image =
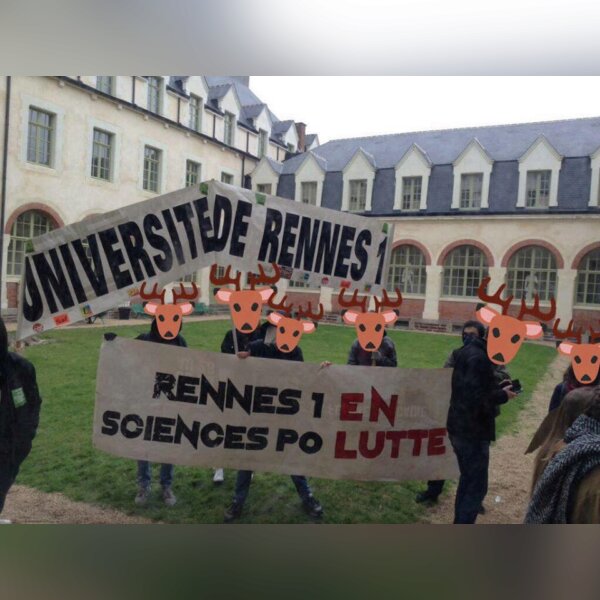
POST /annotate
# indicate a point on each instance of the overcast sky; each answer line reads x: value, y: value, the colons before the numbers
x: 340, y: 107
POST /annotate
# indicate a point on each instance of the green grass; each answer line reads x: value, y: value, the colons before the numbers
x: 63, y: 459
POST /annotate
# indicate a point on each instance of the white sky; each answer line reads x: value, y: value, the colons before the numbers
x: 340, y: 107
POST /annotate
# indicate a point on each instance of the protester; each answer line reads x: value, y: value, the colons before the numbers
x: 471, y: 424
x: 384, y: 356
x: 20, y: 403
x: 144, y: 477
x: 568, y: 384
x: 267, y: 349
x: 567, y: 478
x: 470, y: 330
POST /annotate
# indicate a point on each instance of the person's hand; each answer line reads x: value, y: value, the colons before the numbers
x: 376, y: 355
x: 505, y: 382
x: 509, y: 392
x: 325, y: 363
x: 109, y: 337
x: 243, y: 354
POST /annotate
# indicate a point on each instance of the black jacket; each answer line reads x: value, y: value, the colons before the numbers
x: 259, y: 349
x: 154, y: 336
x: 20, y: 403
x: 243, y: 339
x: 387, y: 354
x: 475, y: 394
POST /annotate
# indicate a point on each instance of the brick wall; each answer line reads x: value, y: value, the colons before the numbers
x: 585, y: 318
x: 457, y: 311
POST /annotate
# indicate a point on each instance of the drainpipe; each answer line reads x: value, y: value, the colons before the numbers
x: 3, y: 192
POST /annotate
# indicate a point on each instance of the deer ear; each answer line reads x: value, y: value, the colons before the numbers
x: 265, y: 294
x: 389, y: 316
x: 223, y: 296
x: 308, y: 326
x: 566, y: 348
x: 350, y: 317
x: 533, y: 330
x: 186, y: 308
x: 274, y: 318
x: 150, y: 308
x: 485, y: 315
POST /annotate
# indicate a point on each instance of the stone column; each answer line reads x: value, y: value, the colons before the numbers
x: 565, y: 292
x: 203, y: 277
x: 431, y: 310
x: 497, y: 275
x: 325, y: 298
x: 4, y: 267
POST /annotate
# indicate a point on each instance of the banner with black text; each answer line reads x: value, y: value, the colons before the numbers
x: 190, y: 407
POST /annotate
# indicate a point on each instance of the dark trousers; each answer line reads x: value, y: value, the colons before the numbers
x: 473, y: 461
x: 8, y: 473
x: 435, y: 487
x: 244, y: 479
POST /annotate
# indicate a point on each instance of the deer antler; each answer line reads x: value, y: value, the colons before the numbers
x: 153, y: 295
x: 287, y: 309
x: 309, y: 314
x: 594, y: 335
x: 226, y: 279
x: 385, y: 301
x: 183, y: 295
x: 262, y: 277
x: 535, y: 311
x: 495, y: 299
x: 563, y: 335
x: 362, y: 304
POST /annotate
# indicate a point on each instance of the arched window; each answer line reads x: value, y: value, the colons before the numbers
x: 27, y: 226
x: 407, y: 270
x: 464, y: 268
x: 532, y: 270
x: 588, y: 279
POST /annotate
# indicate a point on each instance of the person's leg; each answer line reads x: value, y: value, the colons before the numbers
x: 311, y: 505
x: 166, y: 480
x: 473, y: 463
x: 144, y: 479
x: 6, y: 480
x: 302, y: 486
x: 434, y: 489
x: 242, y: 487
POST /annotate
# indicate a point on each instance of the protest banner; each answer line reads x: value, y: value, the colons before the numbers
x: 92, y: 266
x: 190, y: 407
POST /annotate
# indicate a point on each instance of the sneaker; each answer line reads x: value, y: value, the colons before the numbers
x: 233, y: 512
x: 142, y: 496
x: 425, y: 498
x: 312, y: 506
x: 169, y: 497
x: 5, y: 522
x: 218, y: 477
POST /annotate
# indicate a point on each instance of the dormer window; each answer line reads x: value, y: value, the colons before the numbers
x: 154, y: 87
x: 358, y: 195
x: 229, y: 128
x: 263, y: 138
x: 471, y: 185
x: 538, y: 189
x: 104, y: 83
x: 195, y: 112
x: 411, y: 193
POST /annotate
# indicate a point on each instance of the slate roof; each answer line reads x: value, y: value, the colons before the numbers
x: 310, y: 138
x: 571, y: 138
x: 291, y: 165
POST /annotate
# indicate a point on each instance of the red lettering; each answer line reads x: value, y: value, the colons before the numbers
x: 395, y: 437
x: 348, y: 407
x: 340, y: 446
x: 435, y: 443
x: 417, y: 435
x: 363, y: 444
x: 378, y: 405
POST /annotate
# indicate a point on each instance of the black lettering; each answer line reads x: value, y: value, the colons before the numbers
x: 164, y: 384
x: 110, y: 418
x: 32, y: 306
x: 289, y: 400
x: 257, y: 438
x: 162, y: 430
x: 307, y: 244
x: 217, y: 396
x: 72, y: 271
x: 172, y: 229
x: 133, y: 242
x: 286, y: 258
x: 263, y: 399
x: 244, y: 400
x: 341, y: 268
x: 139, y: 426
x: 327, y: 248
x: 53, y: 282
x: 310, y: 442
x: 186, y: 389
x: 191, y: 435
x: 240, y: 228
x: 285, y: 436
x: 184, y: 214
x: 148, y: 430
x: 115, y: 258
x: 270, y: 241
x: 222, y: 222
x: 233, y: 437
x: 207, y: 440
x: 94, y: 274
x: 358, y: 270
x: 158, y: 242
x: 201, y: 207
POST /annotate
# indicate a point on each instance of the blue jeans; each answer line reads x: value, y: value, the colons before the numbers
x: 144, y: 474
x: 473, y: 461
x: 244, y: 478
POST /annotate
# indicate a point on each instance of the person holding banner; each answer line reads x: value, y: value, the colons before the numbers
x: 384, y: 356
x: 19, y: 413
x: 267, y: 348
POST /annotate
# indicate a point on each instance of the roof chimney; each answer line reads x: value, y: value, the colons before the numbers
x: 301, y: 130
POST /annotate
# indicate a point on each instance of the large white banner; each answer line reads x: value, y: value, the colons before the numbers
x: 189, y: 407
x: 94, y: 265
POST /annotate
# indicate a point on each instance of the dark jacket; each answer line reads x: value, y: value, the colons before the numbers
x: 475, y: 394
x: 20, y: 403
x: 154, y: 336
x: 243, y: 339
x: 387, y: 354
x: 259, y: 349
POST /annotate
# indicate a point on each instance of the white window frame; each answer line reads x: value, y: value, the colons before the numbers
x: 198, y: 174
x: 472, y: 179
x: 229, y: 172
x: 413, y: 179
x: 160, y: 90
x: 116, y: 157
x: 595, y: 182
x: 259, y: 191
x: 540, y: 156
x: 111, y: 159
x: 539, y: 174
x: 309, y: 170
x: 111, y: 80
x: 314, y: 186
x: 358, y: 168
x: 472, y: 160
x: 162, y: 182
x: 229, y: 116
x: 414, y: 163
x: 263, y: 143
x: 200, y: 107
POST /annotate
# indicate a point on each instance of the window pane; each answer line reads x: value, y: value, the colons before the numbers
x: 407, y: 270
x: 588, y: 279
x: 411, y: 193
x: 27, y: 226
x: 263, y: 188
x: 40, y: 137
x: 104, y: 84
x: 192, y: 173
x: 152, y: 158
x: 358, y: 194
x: 309, y: 192
x: 531, y: 271
x: 464, y: 268
x: 154, y: 84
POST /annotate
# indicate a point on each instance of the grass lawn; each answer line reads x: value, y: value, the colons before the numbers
x: 63, y: 459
